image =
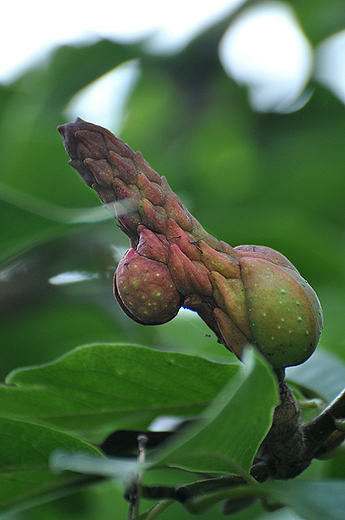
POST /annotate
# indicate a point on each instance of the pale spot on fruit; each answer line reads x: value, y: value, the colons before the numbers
x: 299, y: 318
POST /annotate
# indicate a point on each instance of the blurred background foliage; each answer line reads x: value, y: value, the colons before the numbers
x: 273, y: 179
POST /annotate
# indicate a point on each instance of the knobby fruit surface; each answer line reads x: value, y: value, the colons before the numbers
x: 246, y: 294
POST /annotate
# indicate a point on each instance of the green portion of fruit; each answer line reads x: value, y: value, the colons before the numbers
x: 283, y: 311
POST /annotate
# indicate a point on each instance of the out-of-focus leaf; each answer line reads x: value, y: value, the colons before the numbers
x: 229, y: 432
x: 35, y: 107
x: 51, y: 328
x: 322, y: 372
x: 33, y: 162
x: 332, y: 297
x: 97, y: 388
x: 189, y: 334
x: 311, y: 500
x: 320, y: 20
x: 24, y: 469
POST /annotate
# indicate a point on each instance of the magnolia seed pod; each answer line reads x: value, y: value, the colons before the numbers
x: 246, y: 294
x: 145, y: 289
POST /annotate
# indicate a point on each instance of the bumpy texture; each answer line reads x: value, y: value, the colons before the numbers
x: 246, y: 294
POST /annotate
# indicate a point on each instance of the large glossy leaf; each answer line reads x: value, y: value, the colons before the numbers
x: 224, y: 438
x: 96, y: 388
x: 229, y: 432
x: 25, y: 477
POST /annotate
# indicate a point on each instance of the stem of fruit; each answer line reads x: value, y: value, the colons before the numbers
x: 284, y: 449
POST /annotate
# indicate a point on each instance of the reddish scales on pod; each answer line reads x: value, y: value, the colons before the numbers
x: 246, y: 294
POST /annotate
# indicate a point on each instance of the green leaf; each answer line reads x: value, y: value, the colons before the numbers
x: 231, y: 429
x: 320, y: 20
x: 24, y: 468
x: 97, y: 388
x: 312, y: 500
x: 322, y: 372
x: 40, y: 195
x: 225, y: 439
